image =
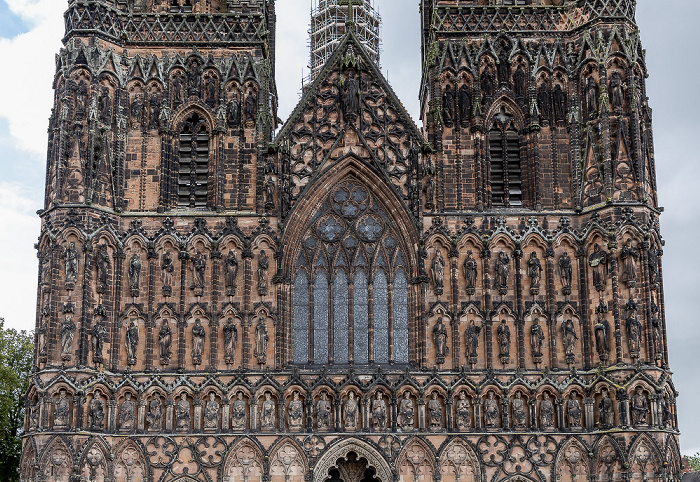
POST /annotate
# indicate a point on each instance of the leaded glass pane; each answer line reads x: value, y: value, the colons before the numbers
x: 400, y: 317
x: 361, y: 349
x: 321, y: 319
x: 301, y: 319
x: 381, y: 318
x: 340, y: 318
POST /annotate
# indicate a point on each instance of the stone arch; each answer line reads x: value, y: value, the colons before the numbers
x: 645, y: 460
x: 130, y: 463
x: 572, y: 462
x: 341, y: 450
x: 29, y: 465
x: 245, y: 462
x: 56, y: 462
x: 459, y: 462
x: 288, y: 462
x: 94, y: 465
x: 416, y: 462
x: 609, y: 459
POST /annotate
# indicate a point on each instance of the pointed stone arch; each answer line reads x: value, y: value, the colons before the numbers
x: 342, y: 449
x: 245, y: 462
x: 645, y: 461
x: 56, y: 462
x: 130, y: 463
x: 459, y: 461
x: 287, y: 462
x: 416, y: 462
x: 94, y: 463
x: 572, y: 462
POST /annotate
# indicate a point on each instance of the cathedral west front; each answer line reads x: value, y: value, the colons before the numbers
x: 346, y: 296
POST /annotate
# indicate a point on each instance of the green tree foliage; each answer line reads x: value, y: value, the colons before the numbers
x: 694, y: 462
x: 16, y: 357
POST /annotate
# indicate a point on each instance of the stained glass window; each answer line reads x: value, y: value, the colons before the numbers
x: 301, y: 318
x: 381, y: 318
x: 361, y: 319
x: 321, y: 319
x: 340, y: 318
x: 400, y: 317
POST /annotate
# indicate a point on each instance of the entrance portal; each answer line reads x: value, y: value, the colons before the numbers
x: 352, y: 468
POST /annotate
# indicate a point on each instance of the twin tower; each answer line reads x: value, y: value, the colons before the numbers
x: 347, y: 296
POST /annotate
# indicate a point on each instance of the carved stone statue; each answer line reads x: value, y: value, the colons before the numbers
x: 534, y: 271
x: 629, y: 256
x: 575, y: 413
x: 97, y: 340
x: 438, y: 272
x: 134, y: 274
x: 132, y: 342
x: 504, y: 340
x: 71, y: 261
x: 183, y: 413
x: 616, y: 94
x: 61, y: 411
x: 464, y: 416
x: 104, y: 104
x: 429, y: 193
x: 546, y: 413
x: 231, y: 270
x: 544, y: 102
x: 519, y: 82
x: 465, y: 104
x: 502, y: 272
x: 598, y: 261
x: 127, y: 414
x: 591, y: 96
x: 435, y: 412
x: 559, y: 103
x: 261, y: 341
x: 251, y: 107
x: 602, y: 333
x: 351, y: 104
x: 569, y: 333
x: 491, y: 410
x: 270, y: 193
x: 656, y: 334
x: 519, y: 414
x: 350, y: 412
x: 406, y: 415
x: 653, y: 262
x: 211, y: 413
x: 239, y: 416
x: 154, y: 418
x: 102, y: 265
x: 536, y: 338
x: 267, y: 414
x: 194, y: 81
x: 295, y: 413
x: 470, y: 273
x: 263, y: 267
x: 199, y: 265
x: 487, y: 81
x: 379, y: 415
x: 606, y: 411
x: 81, y: 100
x: 666, y: 414
x: 41, y: 339
x: 34, y: 415
x: 165, y: 341
x: 440, y: 339
x: 230, y: 341
x: 210, y: 87
x: 67, y: 334
x: 233, y: 114
x: 323, y: 412
x: 503, y: 68
x: 473, y: 332
x: 167, y: 268
x: 640, y: 407
x: 448, y: 105
x: 634, y: 329
x: 198, y: 337
x: 566, y: 272
x: 96, y: 412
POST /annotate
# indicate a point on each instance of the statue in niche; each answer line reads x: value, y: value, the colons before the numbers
x: 230, y: 341
x: 127, y: 415
x: 96, y: 412
x: 473, y: 332
x: 262, y: 339
x: 598, y: 261
x: 616, y: 94
x: 45, y: 271
x: 267, y: 415
x: 653, y: 262
x: 35, y: 412
x: 194, y: 80
x: 154, y: 111
x: 491, y: 410
x: 575, y: 413
x: 634, y: 329
x: 134, y: 274
x: 154, y: 418
x: 465, y: 103
x: 251, y: 107
x: 295, y: 413
x: 178, y: 85
x: 546, y: 412
x: 502, y: 272
x: 351, y: 96
x: 71, y: 260
x: 233, y: 114
x: 211, y: 413
x: 487, y: 82
x: 67, y: 334
x: 569, y: 334
x: 198, y: 337
x: 470, y: 273
x: 438, y: 272
x: 97, y: 340
x: 429, y: 192
x: 519, y: 82
x: 105, y: 106
x: 61, y: 411
x: 199, y: 266
x: 379, y: 416
x: 167, y: 268
x: 519, y: 415
x: 323, y: 412
x: 165, y: 341
x: 629, y: 256
x: 263, y: 267
x: 182, y: 413
x: 544, y: 102
x: 132, y: 342
x: 464, y: 417
x: 270, y: 193
x: 239, y: 415
x: 435, y: 412
x: 448, y: 105
x: 231, y: 270
x: 534, y: 271
x: 656, y: 334
x: 81, y: 100
x: 41, y: 339
x: 350, y: 411
x: 210, y: 88
x: 640, y: 407
x: 102, y: 265
x: 559, y: 103
x: 605, y: 406
x: 566, y: 272
x: 504, y: 340
x: 591, y: 95
x: 536, y: 338
x: 406, y: 418
x: 503, y: 68
x: 602, y: 332
x: 665, y: 409
x: 440, y: 339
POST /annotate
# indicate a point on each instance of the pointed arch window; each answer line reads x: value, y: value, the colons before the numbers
x: 301, y: 318
x: 504, y: 162
x: 193, y: 164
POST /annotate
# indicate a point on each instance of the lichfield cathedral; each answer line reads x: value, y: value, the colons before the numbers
x: 347, y: 296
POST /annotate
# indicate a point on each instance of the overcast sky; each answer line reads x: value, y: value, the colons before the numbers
x: 30, y: 32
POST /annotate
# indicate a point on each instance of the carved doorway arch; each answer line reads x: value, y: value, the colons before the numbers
x: 341, y: 452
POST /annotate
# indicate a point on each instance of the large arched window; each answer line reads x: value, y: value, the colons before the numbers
x: 353, y: 250
x: 193, y: 165
x: 504, y: 162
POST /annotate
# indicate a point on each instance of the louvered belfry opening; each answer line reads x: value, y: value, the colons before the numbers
x: 193, y: 166
x: 506, y: 172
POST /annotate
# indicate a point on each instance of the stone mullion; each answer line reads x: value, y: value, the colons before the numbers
x: 554, y: 130
x: 370, y: 316
x: 662, y: 309
x: 182, y: 323
x: 281, y: 328
x: 551, y: 302
x: 166, y: 172
x: 214, y: 322
x: 150, y: 320
x: 145, y: 136
x: 459, y: 181
x: 454, y: 321
x: 238, y: 181
x: 221, y: 178
x: 120, y: 155
x: 520, y: 309
x: 605, y: 131
x: 616, y: 305
x: 585, y: 303
x: 392, y: 351
x: 247, y: 256
x: 52, y: 323
x: 83, y: 344
x: 634, y: 126
x: 116, y: 325
x: 423, y: 324
x: 487, y: 308
x: 351, y: 319
x: 534, y: 153
x: 479, y: 180
x: 574, y: 132
x: 646, y: 300
x: 311, y: 321
x: 331, y: 320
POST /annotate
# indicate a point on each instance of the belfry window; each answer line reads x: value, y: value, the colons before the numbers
x: 504, y: 161
x: 193, y: 166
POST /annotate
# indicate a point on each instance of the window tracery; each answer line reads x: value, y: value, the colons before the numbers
x: 193, y: 165
x: 505, y: 163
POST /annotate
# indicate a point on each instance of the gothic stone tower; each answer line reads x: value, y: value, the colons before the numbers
x: 354, y: 299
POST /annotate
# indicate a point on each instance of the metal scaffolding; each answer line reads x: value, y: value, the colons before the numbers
x: 328, y: 19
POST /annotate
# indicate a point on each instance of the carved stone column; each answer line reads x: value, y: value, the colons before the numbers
x: 421, y: 414
x: 225, y: 414
x: 589, y: 413
x: 169, y: 414
x: 141, y: 420
x: 197, y: 412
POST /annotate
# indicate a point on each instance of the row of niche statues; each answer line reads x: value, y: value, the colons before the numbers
x: 494, y: 412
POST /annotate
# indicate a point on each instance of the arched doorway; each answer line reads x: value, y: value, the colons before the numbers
x: 352, y: 460
x: 352, y: 468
